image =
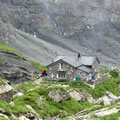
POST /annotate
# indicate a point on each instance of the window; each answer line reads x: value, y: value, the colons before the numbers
x: 60, y: 65
x: 62, y: 74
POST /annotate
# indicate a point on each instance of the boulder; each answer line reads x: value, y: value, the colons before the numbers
x: 58, y: 85
x: 12, y: 103
x: 74, y: 94
x: 56, y: 117
x: 80, y: 95
x: 34, y: 112
x: 6, y: 118
x: 6, y: 92
x: 23, y: 118
x: 58, y: 95
x: 30, y: 116
x: 107, y: 112
x: 14, y: 117
x: 39, y: 101
x: 107, y: 99
x: 2, y: 110
x: 91, y: 100
x: 18, y: 95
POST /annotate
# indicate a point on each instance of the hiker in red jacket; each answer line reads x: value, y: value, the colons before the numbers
x: 42, y: 72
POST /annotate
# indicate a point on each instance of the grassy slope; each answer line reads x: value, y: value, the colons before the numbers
x: 48, y: 106
x: 111, y: 117
x: 7, y: 48
x: 53, y: 108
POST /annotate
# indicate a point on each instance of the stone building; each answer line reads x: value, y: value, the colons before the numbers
x: 69, y: 68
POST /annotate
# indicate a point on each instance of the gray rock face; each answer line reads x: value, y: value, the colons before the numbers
x: 2, y: 110
x: 58, y: 95
x: 34, y: 112
x: 108, y: 99
x: 107, y: 112
x: 35, y: 49
x: 39, y: 101
x: 80, y: 95
x: 6, y: 92
x: 15, y: 68
x: 18, y: 95
x: 88, y: 24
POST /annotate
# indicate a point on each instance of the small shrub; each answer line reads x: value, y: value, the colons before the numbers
x: 114, y: 73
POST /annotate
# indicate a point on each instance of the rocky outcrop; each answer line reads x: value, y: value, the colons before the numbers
x: 6, y: 92
x: 4, y: 116
x: 14, y: 68
x: 23, y: 118
x: 108, y: 99
x: 39, y: 101
x: 18, y: 95
x: 80, y: 95
x: 57, y: 95
x: 107, y: 112
x: 37, y: 116
x: 97, y: 113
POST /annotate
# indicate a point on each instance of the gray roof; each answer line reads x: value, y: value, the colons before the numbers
x: 80, y: 63
x: 75, y: 61
x: 86, y: 69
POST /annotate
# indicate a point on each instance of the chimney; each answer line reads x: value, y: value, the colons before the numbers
x: 78, y: 55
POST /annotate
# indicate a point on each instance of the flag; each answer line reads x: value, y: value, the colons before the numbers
x: 106, y: 48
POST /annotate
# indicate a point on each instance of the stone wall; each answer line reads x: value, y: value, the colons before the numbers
x: 96, y: 66
x: 54, y: 68
x: 71, y: 72
x: 82, y: 74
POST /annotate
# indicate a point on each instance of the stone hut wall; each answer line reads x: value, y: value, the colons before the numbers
x: 83, y: 75
x: 71, y: 72
x: 96, y: 66
x: 53, y: 71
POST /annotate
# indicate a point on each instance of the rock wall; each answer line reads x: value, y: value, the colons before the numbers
x: 14, y: 68
x: 6, y: 92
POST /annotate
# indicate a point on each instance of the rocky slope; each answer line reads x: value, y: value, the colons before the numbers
x: 34, y: 48
x: 83, y: 25
x: 14, y: 68
x: 49, y: 100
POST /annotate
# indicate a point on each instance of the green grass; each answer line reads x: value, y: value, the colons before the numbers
x: 111, y: 117
x: 25, y: 86
x: 53, y: 108
x: 72, y: 106
x: 48, y: 105
x: 38, y: 66
x: 18, y: 108
x: 110, y: 85
x: 2, y: 81
x: 7, y: 48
